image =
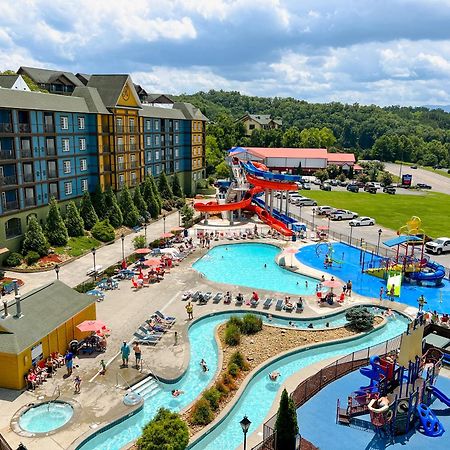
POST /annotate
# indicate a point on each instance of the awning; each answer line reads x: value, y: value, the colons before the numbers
x: 401, y: 240
x: 437, y: 341
x: 4, y: 250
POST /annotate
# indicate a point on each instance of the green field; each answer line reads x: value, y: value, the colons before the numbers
x: 78, y: 246
x: 442, y: 172
x: 392, y: 211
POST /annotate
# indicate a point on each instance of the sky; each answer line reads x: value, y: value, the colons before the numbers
x: 367, y: 51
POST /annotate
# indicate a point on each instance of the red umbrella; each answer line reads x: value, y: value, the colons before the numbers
x: 152, y: 262
x: 92, y: 325
x: 142, y: 251
x: 322, y: 228
x: 167, y: 235
x: 331, y: 284
x: 291, y: 251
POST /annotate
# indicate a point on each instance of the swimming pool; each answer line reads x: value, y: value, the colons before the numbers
x: 257, y: 398
x: 368, y: 285
x: 243, y: 265
x: 46, y: 417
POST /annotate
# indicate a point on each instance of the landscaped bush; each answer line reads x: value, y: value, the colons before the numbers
x: 232, y: 335
x: 85, y: 287
x: 201, y: 412
x: 251, y: 324
x: 167, y: 205
x: 235, y: 320
x: 237, y: 358
x: 360, y: 318
x: 103, y: 231
x: 32, y: 257
x: 228, y: 381
x: 213, y: 396
x: 139, y: 242
x: 220, y: 386
x: 233, y: 370
x: 156, y: 243
x: 13, y: 260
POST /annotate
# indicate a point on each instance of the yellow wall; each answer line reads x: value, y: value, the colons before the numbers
x: 197, y: 144
x: 14, y: 367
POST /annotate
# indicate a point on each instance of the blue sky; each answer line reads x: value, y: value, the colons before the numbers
x: 366, y: 51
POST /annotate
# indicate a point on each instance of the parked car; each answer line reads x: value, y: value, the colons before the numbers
x: 317, y: 181
x: 343, y: 214
x: 371, y: 190
x: 360, y: 184
x: 423, y: 186
x: 307, y: 202
x: 352, y: 188
x: 343, y: 183
x: 334, y: 182
x: 325, y: 210
x: 413, y: 167
x: 325, y: 187
x: 362, y: 221
x: 389, y: 190
x: 438, y: 246
x: 307, y: 186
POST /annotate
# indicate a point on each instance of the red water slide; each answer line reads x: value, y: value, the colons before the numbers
x: 270, y: 220
x: 274, y: 185
x: 215, y: 208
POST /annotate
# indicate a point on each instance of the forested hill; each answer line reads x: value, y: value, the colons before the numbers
x: 385, y: 133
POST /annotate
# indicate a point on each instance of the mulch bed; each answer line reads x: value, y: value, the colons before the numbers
x: 7, y: 280
x: 50, y: 259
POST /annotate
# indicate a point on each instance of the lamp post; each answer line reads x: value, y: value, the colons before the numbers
x: 379, y: 237
x: 179, y: 217
x: 145, y: 231
x: 300, y: 213
x: 351, y: 231
x: 245, y: 425
x: 164, y: 223
x: 313, y: 213
x: 329, y: 223
x: 95, y: 267
x: 57, y: 271
x: 122, y: 237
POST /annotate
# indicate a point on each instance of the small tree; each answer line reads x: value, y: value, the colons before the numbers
x: 129, y: 211
x: 386, y: 178
x: 322, y: 175
x: 363, y: 178
x: 139, y: 242
x: 139, y: 202
x: 163, y: 187
x: 176, y: 186
x: 155, y: 192
x: 55, y: 227
x: 35, y: 239
x: 223, y: 170
x: 87, y: 211
x: 286, y: 424
x: 114, y: 213
x: 165, y: 431
x: 103, y: 231
x: 99, y: 203
x: 74, y: 221
x: 187, y: 214
x: 360, y: 319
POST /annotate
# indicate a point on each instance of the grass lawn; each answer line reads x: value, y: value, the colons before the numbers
x: 78, y: 246
x: 392, y: 211
x: 442, y: 172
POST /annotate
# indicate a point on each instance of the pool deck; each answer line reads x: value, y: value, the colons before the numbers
x: 123, y: 310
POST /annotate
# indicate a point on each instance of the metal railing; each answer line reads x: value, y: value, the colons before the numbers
x: 49, y: 128
x: 3, y: 444
x: 26, y: 152
x: 30, y: 201
x: 6, y: 128
x: 24, y: 127
x: 123, y: 379
x: 8, y: 180
x: 7, y: 154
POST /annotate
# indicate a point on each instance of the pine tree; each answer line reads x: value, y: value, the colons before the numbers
x: 139, y: 202
x: 87, y: 211
x: 149, y: 198
x: 176, y: 186
x: 35, y: 239
x: 156, y: 193
x: 98, y: 202
x: 74, y: 221
x: 164, y: 188
x: 114, y: 213
x: 129, y: 211
x: 55, y: 227
x: 286, y: 424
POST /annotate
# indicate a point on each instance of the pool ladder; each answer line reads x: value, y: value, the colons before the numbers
x: 56, y: 394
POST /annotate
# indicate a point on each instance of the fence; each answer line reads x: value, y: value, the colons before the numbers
x: 3, y: 444
x: 312, y: 385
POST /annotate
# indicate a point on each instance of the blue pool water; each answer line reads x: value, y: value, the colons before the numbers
x: 257, y: 398
x: 46, y: 417
x: 243, y: 265
x: 369, y: 285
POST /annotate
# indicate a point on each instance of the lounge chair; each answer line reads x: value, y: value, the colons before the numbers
x: 217, y: 297
x: 254, y: 303
x: 196, y: 296
x: 207, y: 296
x: 146, y: 339
x: 279, y: 305
x: 186, y: 296
x: 149, y: 331
x: 168, y: 319
x: 288, y: 308
x: 267, y: 303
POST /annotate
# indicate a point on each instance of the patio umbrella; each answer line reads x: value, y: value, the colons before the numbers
x: 167, y: 235
x: 291, y: 251
x: 177, y: 229
x: 332, y: 284
x: 142, y: 251
x: 152, y: 262
x: 322, y: 228
x: 92, y: 325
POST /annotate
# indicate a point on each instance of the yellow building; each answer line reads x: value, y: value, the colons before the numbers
x: 46, y: 324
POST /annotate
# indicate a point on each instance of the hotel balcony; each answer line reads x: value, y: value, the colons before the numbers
x: 120, y: 166
x: 119, y: 128
x: 28, y: 178
x: 52, y: 174
x: 133, y: 182
x: 133, y: 147
x: 49, y: 128
x: 8, y: 180
x: 26, y: 153
x: 6, y: 128
x: 134, y: 164
x: 50, y: 151
x: 24, y: 128
x: 10, y: 206
x: 30, y: 201
x: 7, y: 154
x: 121, y: 148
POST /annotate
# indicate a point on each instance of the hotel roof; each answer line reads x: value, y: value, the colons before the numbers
x: 341, y: 157
x: 310, y: 153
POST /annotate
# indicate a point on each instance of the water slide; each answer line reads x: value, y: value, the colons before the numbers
x: 436, y: 273
x: 257, y: 170
x: 265, y: 217
x: 374, y: 373
x: 429, y: 422
x: 215, y: 208
x: 440, y: 395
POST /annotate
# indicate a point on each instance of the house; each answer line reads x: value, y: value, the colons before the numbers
x: 343, y: 160
x: 13, y: 82
x: 259, y: 122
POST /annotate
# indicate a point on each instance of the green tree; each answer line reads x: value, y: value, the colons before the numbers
x: 98, y: 202
x: 103, y: 231
x: 187, y: 214
x: 150, y: 198
x: 156, y: 192
x: 214, y: 156
x: 129, y: 211
x: 360, y: 318
x: 176, y: 187
x: 139, y: 242
x: 114, y: 213
x: 291, y: 138
x: 333, y: 171
x: 139, y: 202
x: 286, y: 424
x: 166, y: 431
x: 74, y: 221
x: 163, y: 187
x: 55, y: 228
x: 223, y: 170
x: 363, y: 178
x: 87, y: 211
x: 386, y: 178
x: 322, y: 175
x: 35, y: 239
x: 326, y: 137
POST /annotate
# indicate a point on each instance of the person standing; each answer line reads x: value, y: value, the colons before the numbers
x: 349, y: 288
x: 381, y: 293
x: 125, y: 352
x: 392, y: 292
x: 68, y: 359
x: 421, y: 301
x: 77, y: 383
x: 137, y: 354
x: 190, y: 311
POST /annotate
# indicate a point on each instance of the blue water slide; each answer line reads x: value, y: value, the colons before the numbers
x: 437, y: 273
x: 440, y: 395
x: 252, y: 170
x: 429, y: 422
x: 374, y: 372
x: 280, y: 216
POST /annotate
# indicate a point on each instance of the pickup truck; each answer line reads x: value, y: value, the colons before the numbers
x: 343, y: 214
x: 438, y: 246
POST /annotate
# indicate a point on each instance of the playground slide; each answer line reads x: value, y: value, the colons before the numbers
x: 429, y: 422
x: 440, y: 395
x: 395, y: 279
x: 374, y: 373
x: 437, y: 273
x: 271, y: 221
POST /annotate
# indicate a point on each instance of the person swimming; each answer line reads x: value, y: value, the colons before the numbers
x: 203, y: 365
x: 177, y: 393
x: 273, y: 376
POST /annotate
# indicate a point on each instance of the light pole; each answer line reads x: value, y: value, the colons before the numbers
x: 164, y: 223
x: 379, y: 237
x: 300, y: 213
x: 57, y: 271
x: 145, y: 231
x: 245, y: 425
x: 329, y: 222
x: 95, y: 267
x: 314, y: 213
x: 122, y: 237
x: 179, y: 217
x: 351, y: 231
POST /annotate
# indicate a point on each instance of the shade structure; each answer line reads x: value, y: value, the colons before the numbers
x: 177, y: 229
x: 167, y: 235
x: 92, y: 325
x: 291, y: 251
x: 331, y: 284
x: 142, y: 251
x: 152, y: 262
x: 322, y: 228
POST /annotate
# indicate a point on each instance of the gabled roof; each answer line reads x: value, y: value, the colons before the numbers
x: 320, y: 153
x: 190, y: 111
x: 92, y: 98
x: 341, y: 157
x: 158, y: 98
x: 46, y: 76
x: 7, y: 81
x: 83, y: 77
x: 110, y: 87
x: 44, y: 310
x: 140, y: 90
x: 161, y: 113
x: 262, y: 119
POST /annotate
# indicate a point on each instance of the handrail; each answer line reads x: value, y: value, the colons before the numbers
x: 149, y: 370
x: 3, y: 444
x: 56, y: 394
x: 123, y: 379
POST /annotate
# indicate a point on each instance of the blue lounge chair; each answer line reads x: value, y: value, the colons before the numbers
x: 196, y: 296
x: 217, y: 297
x: 267, y: 303
x: 162, y: 316
x: 239, y: 300
x: 146, y: 339
x: 279, y: 305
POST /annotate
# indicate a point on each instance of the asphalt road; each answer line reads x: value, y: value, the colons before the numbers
x: 438, y: 182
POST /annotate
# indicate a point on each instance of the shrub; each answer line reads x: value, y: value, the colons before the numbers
x: 74, y: 221
x: 228, y: 381
x: 235, y: 320
x: 232, y: 335
x: 359, y: 318
x: 35, y: 239
x: 85, y: 287
x: 167, y: 205
x: 129, y: 211
x: 220, y: 386
x: 201, y: 413
x: 113, y: 212
x: 237, y: 358
x: 251, y: 324
x: 233, y: 370
x: 13, y: 260
x: 286, y: 423
x: 139, y: 242
x: 32, y: 257
x: 176, y: 187
x: 55, y: 228
x: 103, y: 231
x: 164, y: 188
x: 213, y: 396
x: 87, y: 211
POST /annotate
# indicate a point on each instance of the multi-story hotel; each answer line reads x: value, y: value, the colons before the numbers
x: 98, y: 132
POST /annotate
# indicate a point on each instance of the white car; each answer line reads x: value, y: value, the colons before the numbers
x: 438, y: 246
x: 343, y: 214
x: 306, y: 202
x: 362, y: 221
x: 325, y: 210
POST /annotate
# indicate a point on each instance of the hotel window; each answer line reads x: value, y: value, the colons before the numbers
x: 133, y: 178
x: 148, y: 125
x: 64, y: 120
x: 157, y: 140
x: 120, y: 163
x: 84, y: 185
x: 177, y: 139
x: 68, y: 187
x: 177, y: 165
x: 82, y: 142
x: 66, y: 166
x: 131, y: 124
x: 148, y: 140
x: 119, y: 124
x: 65, y: 145
x: 156, y: 125
x: 149, y: 156
x: 121, y: 180
x: 83, y: 165
x: 157, y: 155
x: 176, y: 125
x: 132, y: 143
x: 177, y: 152
x: 81, y: 123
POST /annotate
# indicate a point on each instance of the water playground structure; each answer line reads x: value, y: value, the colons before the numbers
x: 398, y: 398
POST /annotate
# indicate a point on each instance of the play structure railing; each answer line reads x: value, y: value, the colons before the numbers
x: 313, y: 384
x: 3, y: 444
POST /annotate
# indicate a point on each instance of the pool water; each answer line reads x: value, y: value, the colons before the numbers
x: 257, y: 398
x: 368, y: 285
x: 46, y: 417
x: 243, y: 265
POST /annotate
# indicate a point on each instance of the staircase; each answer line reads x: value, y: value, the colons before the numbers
x: 147, y: 388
